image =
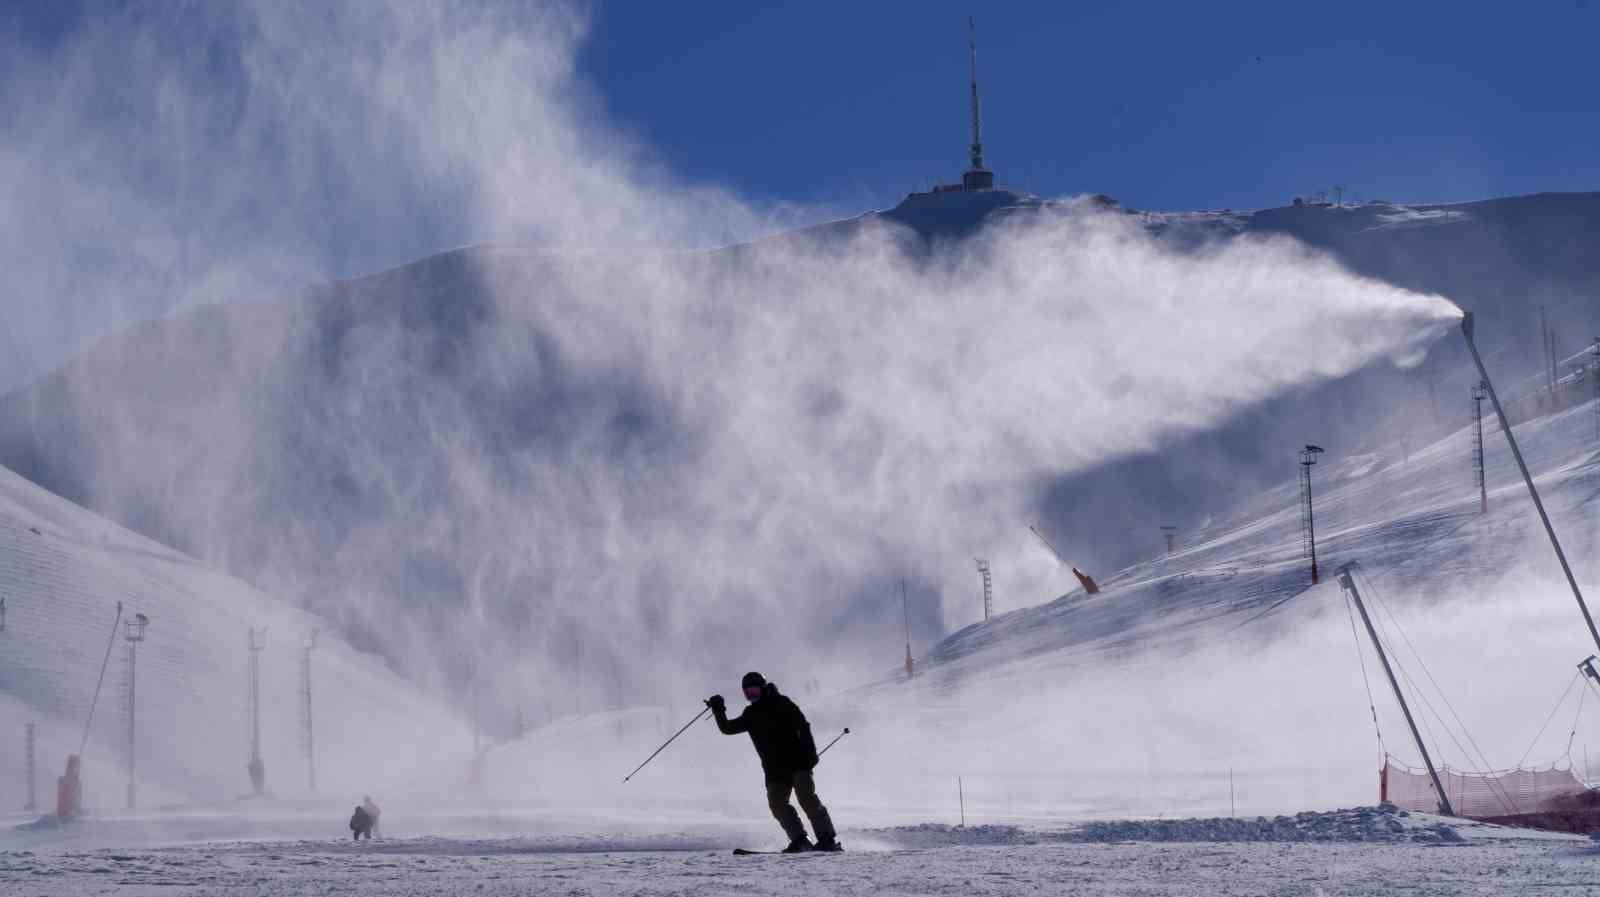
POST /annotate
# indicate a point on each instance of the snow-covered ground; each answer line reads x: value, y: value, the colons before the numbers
x: 1354, y: 852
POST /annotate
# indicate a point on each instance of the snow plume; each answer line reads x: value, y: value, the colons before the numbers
x: 161, y: 156
x: 607, y: 476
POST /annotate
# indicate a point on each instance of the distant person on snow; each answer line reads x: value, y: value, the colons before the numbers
x: 371, y: 806
x: 782, y: 738
x: 360, y: 824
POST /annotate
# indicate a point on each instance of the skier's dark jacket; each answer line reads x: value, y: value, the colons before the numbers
x: 779, y: 731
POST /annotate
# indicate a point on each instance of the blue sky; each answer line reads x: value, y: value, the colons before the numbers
x: 834, y: 107
x: 1162, y: 105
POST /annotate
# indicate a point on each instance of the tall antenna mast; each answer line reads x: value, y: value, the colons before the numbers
x: 977, y: 135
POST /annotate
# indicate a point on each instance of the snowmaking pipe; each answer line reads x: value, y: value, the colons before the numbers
x: 833, y: 742
x: 664, y: 744
x: 1511, y: 440
x: 100, y: 681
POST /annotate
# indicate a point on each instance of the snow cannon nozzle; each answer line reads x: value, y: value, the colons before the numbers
x: 1466, y: 325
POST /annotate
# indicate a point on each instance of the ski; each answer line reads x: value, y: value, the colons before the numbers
x: 742, y: 852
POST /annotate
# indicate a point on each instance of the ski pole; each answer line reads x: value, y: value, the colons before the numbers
x: 833, y: 742
x: 667, y: 742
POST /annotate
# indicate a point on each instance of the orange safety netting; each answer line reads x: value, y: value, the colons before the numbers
x: 1502, y: 793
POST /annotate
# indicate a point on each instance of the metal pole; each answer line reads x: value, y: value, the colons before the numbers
x: 905, y: 609
x: 961, y: 795
x: 255, y: 704
x: 1480, y: 460
x: 1511, y: 440
x: 1349, y: 583
x: 833, y: 742
x: 1308, y: 459
x: 133, y: 703
x: 1544, y: 345
x: 1594, y: 376
x: 307, y: 647
x: 667, y: 742
x: 32, y: 741
x: 256, y: 768
x: 988, y: 589
x: 98, y: 682
x: 1311, y: 527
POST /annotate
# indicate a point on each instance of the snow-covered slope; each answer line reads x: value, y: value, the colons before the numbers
x: 1220, y: 673
x: 300, y: 446
x: 62, y: 572
x: 1212, y: 680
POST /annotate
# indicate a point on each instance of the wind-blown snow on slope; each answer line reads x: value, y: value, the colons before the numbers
x: 62, y: 572
x: 586, y: 464
x: 1223, y: 660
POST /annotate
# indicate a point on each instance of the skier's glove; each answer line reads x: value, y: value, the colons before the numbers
x: 716, y: 704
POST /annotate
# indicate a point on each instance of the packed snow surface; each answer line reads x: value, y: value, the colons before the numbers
x: 1365, y: 851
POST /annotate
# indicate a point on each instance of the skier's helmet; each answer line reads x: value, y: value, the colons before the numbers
x: 752, y: 683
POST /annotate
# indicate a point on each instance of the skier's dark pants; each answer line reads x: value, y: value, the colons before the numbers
x: 805, y: 789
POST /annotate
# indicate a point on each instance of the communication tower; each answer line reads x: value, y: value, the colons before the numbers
x: 977, y: 177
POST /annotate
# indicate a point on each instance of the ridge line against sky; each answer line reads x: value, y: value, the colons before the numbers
x: 1168, y: 106
x: 138, y: 137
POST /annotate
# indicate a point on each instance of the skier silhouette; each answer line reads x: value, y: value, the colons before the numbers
x: 782, y: 739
